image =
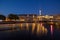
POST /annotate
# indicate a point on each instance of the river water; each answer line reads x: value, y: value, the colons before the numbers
x: 30, y: 31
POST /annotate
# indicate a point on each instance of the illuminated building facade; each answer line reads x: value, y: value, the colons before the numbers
x: 31, y: 17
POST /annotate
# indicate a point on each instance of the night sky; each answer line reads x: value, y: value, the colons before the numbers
x: 48, y: 7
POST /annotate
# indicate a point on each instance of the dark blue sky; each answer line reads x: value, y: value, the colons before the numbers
x: 29, y: 6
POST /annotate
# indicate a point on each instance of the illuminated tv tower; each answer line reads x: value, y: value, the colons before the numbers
x: 40, y: 12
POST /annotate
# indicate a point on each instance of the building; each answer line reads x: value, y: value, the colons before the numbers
x: 27, y: 17
x: 31, y: 17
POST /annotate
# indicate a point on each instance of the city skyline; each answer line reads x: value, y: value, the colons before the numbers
x: 48, y: 7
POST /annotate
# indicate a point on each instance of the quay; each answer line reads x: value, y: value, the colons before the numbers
x: 15, y: 22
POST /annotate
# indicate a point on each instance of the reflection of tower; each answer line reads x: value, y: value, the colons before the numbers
x: 40, y: 12
x: 51, y: 28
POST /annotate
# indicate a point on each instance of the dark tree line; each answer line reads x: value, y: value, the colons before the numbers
x: 10, y: 16
x: 13, y: 16
x: 2, y: 17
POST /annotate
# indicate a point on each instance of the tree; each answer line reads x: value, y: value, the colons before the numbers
x: 2, y: 17
x: 13, y: 17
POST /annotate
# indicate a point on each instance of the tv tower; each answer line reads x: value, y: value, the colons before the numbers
x: 40, y: 12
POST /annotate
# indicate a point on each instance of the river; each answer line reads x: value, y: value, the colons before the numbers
x: 30, y: 31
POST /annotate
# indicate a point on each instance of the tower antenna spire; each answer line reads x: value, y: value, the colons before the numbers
x: 40, y: 12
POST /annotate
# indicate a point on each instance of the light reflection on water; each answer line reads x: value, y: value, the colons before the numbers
x: 38, y: 28
x: 41, y: 29
x: 51, y: 30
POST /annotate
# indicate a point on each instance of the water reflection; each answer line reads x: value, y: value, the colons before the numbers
x: 37, y: 28
x: 48, y: 30
x: 33, y: 27
x: 27, y: 26
x: 41, y: 29
x: 51, y: 29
